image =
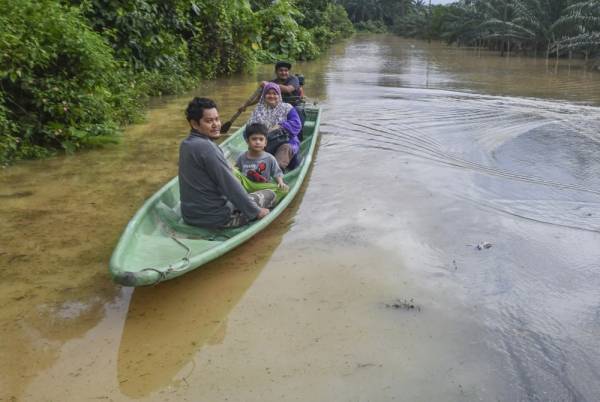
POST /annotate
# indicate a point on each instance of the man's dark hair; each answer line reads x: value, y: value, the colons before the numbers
x: 285, y: 64
x: 196, y: 107
x: 255, y: 128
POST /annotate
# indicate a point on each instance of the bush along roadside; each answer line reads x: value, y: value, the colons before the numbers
x: 60, y: 86
x: 73, y: 72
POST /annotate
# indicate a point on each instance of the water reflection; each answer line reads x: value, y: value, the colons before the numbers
x: 407, y: 63
x: 167, y: 325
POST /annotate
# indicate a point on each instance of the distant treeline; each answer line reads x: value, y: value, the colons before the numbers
x: 73, y: 72
x: 549, y: 28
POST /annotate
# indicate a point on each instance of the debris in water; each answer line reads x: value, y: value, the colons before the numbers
x: 363, y: 365
x: 484, y: 244
x: 404, y: 305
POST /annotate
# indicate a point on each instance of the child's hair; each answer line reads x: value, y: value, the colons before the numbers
x: 255, y: 128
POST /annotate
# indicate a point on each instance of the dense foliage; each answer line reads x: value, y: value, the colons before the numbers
x: 60, y: 85
x: 376, y: 15
x: 327, y: 22
x: 551, y: 27
x: 73, y: 71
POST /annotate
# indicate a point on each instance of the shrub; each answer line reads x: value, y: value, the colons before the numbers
x: 144, y: 37
x: 375, y: 26
x: 9, y: 142
x: 332, y: 25
x: 222, y: 37
x: 60, y: 83
x: 283, y: 37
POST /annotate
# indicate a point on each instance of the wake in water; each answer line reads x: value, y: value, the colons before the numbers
x: 542, y: 144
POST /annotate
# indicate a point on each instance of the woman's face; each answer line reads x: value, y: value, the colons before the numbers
x: 271, y: 98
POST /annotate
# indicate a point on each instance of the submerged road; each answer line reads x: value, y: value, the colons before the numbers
x: 371, y: 287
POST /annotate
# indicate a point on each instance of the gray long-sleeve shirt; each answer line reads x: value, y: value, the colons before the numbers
x: 207, y: 185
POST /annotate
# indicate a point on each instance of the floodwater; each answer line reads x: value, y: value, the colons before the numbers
x: 371, y: 286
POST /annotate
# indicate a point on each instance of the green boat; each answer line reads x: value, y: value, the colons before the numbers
x: 157, y: 245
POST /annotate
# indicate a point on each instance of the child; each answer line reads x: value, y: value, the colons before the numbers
x: 256, y: 164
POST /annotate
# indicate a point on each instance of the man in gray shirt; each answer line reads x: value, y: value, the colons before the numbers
x: 211, y: 196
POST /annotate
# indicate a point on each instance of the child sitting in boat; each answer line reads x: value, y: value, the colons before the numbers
x: 256, y: 164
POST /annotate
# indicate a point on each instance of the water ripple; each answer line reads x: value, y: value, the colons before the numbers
x: 485, y: 135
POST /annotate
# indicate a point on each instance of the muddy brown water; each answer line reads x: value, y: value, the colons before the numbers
x: 426, y: 152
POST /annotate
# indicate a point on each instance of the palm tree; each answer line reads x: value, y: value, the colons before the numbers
x: 498, y: 23
x: 415, y: 23
x: 462, y: 24
x: 580, y: 28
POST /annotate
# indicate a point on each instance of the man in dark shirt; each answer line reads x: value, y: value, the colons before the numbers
x: 291, y: 92
x: 211, y: 196
x: 288, y: 83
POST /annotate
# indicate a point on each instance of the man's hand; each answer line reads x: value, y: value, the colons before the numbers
x: 262, y: 213
x: 262, y: 84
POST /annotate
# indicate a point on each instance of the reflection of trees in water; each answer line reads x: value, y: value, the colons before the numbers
x: 414, y: 63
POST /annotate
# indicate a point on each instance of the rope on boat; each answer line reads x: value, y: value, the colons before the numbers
x: 162, y: 275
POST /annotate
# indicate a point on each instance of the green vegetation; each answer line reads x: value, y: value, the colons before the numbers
x: 559, y: 28
x: 73, y: 72
x: 61, y: 88
x: 375, y: 16
x: 551, y: 27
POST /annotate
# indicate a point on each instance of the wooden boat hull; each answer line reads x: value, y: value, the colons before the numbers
x: 157, y: 245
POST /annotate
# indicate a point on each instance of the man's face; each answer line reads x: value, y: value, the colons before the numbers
x: 282, y: 73
x: 257, y: 142
x: 209, y: 124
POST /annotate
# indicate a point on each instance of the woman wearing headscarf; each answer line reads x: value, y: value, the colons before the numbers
x: 283, y: 123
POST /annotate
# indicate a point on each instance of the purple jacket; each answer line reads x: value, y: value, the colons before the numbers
x: 293, y: 125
